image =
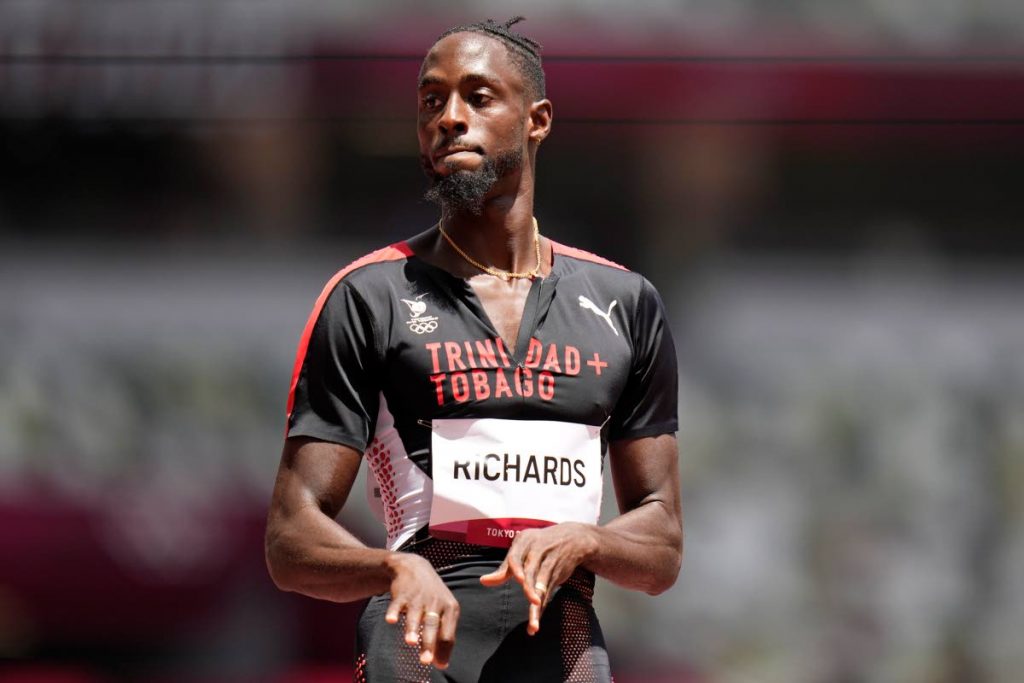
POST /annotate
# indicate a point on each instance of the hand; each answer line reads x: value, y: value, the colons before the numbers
x: 541, y: 560
x: 419, y: 592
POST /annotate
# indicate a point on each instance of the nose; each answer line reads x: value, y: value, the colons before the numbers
x: 453, y: 118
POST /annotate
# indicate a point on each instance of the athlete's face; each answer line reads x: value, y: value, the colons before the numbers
x: 472, y: 108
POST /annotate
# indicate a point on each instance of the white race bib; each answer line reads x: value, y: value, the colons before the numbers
x: 493, y: 478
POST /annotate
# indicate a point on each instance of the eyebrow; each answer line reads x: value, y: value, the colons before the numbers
x: 468, y: 78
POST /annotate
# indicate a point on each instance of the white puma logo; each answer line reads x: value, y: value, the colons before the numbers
x: 590, y: 305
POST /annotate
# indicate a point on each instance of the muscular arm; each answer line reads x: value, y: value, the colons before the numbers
x: 308, y: 552
x: 641, y: 549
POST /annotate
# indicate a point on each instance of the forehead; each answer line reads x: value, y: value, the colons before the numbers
x: 467, y: 53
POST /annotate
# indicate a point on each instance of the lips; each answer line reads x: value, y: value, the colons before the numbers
x: 447, y: 151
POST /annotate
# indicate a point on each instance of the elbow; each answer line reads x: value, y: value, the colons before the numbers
x: 277, y: 575
x: 276, y: 557
x: 670, y: 566
x: 666, y: 579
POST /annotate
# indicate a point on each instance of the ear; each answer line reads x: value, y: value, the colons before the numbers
x: 540, y: 120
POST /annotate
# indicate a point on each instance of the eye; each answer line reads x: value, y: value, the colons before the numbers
x: 479, y: 98
x: 430, y: 101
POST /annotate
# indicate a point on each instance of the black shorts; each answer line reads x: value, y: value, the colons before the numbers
x: 491, y: 643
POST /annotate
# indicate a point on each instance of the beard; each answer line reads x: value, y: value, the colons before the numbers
x: 463, y: 190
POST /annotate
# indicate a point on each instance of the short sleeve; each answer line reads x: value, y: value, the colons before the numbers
x: 335, y: 394
x: 649, y: 402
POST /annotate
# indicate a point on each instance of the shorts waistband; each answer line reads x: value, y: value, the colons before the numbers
x: 444, y: 554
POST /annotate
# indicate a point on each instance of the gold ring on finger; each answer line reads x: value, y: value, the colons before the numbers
x: 431, y: 618
x: 540, y: 587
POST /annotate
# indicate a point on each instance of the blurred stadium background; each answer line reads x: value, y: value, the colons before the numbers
x: 827, y: 193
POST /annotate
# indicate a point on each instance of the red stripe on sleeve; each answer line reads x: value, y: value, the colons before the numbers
x: 573, y: 252
x: 394, y: 252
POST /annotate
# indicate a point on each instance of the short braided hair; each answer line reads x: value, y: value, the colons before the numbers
x: 524, y: 52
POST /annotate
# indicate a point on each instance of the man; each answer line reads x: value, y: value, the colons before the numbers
x: 483, y: 371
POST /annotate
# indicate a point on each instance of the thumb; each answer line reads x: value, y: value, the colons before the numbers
x: 498, y: 576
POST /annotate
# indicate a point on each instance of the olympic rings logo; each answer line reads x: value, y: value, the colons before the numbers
x: 422, y: 326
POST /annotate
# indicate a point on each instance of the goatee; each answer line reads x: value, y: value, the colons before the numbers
x: 463, y: 190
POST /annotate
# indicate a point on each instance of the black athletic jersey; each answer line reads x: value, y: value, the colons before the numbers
x: 394, y: 342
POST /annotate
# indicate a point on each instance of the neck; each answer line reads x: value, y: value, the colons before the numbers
x: 501, y: 236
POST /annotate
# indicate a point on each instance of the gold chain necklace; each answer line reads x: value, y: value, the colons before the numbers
x: 508, y: 275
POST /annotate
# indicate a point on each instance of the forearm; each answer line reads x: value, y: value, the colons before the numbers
x: 310, y: 553
x: 641, y: 549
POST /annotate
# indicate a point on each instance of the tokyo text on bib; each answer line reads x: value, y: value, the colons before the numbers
x: 493, y: 478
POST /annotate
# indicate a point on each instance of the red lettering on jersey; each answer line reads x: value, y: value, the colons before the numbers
x: 477, y: 384
x: 438, y: 381
x: 469, y: 355
x: 460, y: 387
x: 533, y: 353
x: 546, y: 385
x: 485, y: 352
x: 501, y: 352
x: 572, y: 361
x: 501, y: 386
x: 551, y: 362
x: 524, y: 389
x: 481, y: 388
x: 434, y: 348
x: 597, y: 364
x: 454, y: 353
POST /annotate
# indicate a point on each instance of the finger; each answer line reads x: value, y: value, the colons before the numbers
x: 533, y: 625
x: 428, y: 637
x: 498, y: 576
x: 545, y: 581
x: 394, y: 611
x: 413, y: 618
x: 529, y: 580
x: 446, y: 637
x: 542, y: 585
x: 515, y: 561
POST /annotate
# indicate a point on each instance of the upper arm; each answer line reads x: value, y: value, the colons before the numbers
x: 648, y: 404
x: 642, y: 443
x: 313, y: 473
x: 335, y: 389
x: 302, y: 539
x: 645, y: 471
